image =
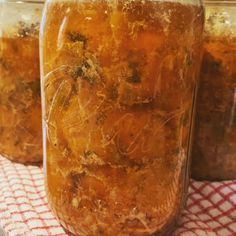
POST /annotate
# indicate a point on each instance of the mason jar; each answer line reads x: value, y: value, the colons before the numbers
x: 214, y: 149
x: 118, y: 87
x: 20, y: 103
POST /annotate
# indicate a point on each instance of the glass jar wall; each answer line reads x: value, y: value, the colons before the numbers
x: 214, y: 150
x: 20, y: 105
x: 119, y: 81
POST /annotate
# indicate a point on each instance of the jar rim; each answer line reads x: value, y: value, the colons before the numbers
x: 220, y: 2
x: 24, y: 1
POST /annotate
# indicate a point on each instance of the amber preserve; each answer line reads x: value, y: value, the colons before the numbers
x: 119, y: 81
x: 214, y: 150
x: 20, y: 106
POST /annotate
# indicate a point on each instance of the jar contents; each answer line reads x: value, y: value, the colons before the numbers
x: 214, y: 150
x: 20, y: 105
x: 119, y: 84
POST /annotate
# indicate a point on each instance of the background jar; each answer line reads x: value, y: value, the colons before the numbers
x: 20, y: 106
x: 119, y: 81
x: 214, y: 149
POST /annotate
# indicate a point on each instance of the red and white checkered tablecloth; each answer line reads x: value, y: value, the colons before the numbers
x: 210, y: 210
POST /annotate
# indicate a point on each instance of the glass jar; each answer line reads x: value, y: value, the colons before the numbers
x: 20, y: 105
x: 214, y: 150
x: 119, y: 82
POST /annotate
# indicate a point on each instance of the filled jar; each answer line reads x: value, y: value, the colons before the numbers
x: 214, y: 149
x: 119, y: 81
x: 20, y: 103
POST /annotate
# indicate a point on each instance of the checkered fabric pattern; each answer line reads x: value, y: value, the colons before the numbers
x: 210, y: 210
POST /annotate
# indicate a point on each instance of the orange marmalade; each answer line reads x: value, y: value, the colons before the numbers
x: 215, y: 138
x: 214, y: 150
x: 119, y: 82
x: 20, y: 106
